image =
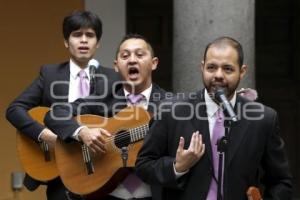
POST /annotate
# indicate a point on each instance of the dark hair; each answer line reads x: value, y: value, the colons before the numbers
x: 82, y: 19
x: 135, y: 36
x: 221, y: 41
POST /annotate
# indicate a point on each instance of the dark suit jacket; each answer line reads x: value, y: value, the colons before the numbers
x: 114, y: 103
x: 254, y: 143
x: 39, y: 94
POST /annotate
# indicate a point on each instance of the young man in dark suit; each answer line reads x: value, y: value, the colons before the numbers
x: 135, y: 61
x: 59, y: 83
x: 179, y: 153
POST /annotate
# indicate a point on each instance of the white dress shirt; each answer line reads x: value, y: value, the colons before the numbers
x: 212, y: 108
x: 74, y: 83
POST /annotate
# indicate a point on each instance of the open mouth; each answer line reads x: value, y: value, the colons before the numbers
x: 83, y: 49
x: 133, y: 73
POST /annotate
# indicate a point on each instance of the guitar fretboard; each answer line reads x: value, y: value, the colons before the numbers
x: 138, y: 133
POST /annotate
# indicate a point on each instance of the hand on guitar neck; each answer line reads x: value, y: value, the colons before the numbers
x: 49, y: 137
x: 94, y: 138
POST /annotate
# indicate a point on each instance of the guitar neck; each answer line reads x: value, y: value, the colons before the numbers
x: 138, y: 133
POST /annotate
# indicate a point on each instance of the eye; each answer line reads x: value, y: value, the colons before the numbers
x: 140, y: 54
x: 124, y: 55
x: 90, y: 34
x: 210, y: 67
x: 228, y: 68
x: 77, y: 34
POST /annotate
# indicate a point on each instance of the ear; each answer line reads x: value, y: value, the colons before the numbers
x: 116, y: 66
x: 98, y: 44
x: 243, y: 71
x: 202, y: 65
x: 154, y: 63
x: 66, y: 43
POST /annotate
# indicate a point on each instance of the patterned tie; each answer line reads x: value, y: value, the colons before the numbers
x: 83, y: 84
x: 218, y: 132
x: 132, y: 182
x: 135, y: 99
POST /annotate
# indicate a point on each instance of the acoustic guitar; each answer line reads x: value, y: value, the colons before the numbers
x: 84, y: 173
x: 37, y: 159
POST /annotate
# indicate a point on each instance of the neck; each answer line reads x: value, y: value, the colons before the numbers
x: 80, y: 64
x: 136, y: 89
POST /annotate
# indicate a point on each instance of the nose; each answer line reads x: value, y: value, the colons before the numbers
x: 83, y: 38
x: 132, y: 58
x: 219, y: 73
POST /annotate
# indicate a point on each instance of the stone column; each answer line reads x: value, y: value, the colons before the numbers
x: 196, y: 23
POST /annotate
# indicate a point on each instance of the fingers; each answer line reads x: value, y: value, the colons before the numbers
x: 185, y: 159
x: 202, y: 150
x: 181, y: 144
x: 104, y: 132
x: 94, y: 139
x: 196, y: 145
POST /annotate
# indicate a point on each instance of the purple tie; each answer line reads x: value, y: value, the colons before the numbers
x: 218, y: 132
x: 135, y: 99
x: 132, y: 182
x: 83, y: 84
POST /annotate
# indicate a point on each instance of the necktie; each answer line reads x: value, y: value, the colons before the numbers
x: 135, y: 99
x: 84, y: 87
x: 132, y: 182
x: 218, y: 132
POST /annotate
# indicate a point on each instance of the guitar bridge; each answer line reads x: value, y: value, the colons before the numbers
x: 45, y: 149
x: 87, y: 159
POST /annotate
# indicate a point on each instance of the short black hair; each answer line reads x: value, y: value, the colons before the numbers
x: 82, y: 19
x: 230, y: 42
x: 135, y: 36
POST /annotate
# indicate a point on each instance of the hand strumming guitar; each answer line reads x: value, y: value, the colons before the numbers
x: 94, y: 138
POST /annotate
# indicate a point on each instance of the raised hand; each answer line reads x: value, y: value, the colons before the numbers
x: 186, y: 158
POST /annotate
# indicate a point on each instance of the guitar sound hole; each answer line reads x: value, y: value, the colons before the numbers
x: 122, y: 139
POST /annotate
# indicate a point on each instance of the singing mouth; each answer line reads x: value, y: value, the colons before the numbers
x: 133, y: 73
x: 83, y: 49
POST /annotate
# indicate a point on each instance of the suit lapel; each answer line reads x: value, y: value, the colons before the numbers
x: 119, y: 101
x: 62, y: 89
x: 237, y: 132
x: 157, y: 94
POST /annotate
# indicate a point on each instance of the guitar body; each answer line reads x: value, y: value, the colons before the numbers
x: 31, y: 155
x: 108, y: 167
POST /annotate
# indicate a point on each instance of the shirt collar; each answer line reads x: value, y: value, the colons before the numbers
x: 75, y: 69
x: 212, y: 107
x: 146, y: 93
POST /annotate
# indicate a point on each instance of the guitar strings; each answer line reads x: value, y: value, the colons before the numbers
x: 140, y: 131
x: 137, y: 133
x: 124, y: 134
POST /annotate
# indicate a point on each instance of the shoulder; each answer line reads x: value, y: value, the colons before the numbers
x: 109, y: 72
x: 156, y: 89
x: 54, y: 68
x: 180, y: 104
x: 255, y: 110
